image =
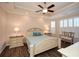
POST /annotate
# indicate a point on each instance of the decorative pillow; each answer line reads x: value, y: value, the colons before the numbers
x: 37, y: 34
x: 34, y: 33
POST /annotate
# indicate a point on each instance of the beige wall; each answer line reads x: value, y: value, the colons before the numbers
x: 25, y: 22
x: 9, y: 21
x: 3, y: 31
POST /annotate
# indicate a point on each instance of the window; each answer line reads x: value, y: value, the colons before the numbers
x: 61, y: 23
x: 70, y: 22
x: 65, y: 23
x: 53, y: 24
x: 76, y: 22
x: 70, y: 25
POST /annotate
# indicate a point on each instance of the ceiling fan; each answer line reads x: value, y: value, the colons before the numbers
x: 45, y: 9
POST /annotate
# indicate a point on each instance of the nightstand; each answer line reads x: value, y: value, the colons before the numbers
x: 50, y: 34
x: 16, y: 41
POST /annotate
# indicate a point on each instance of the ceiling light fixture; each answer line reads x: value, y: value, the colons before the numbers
x: 45, y: 10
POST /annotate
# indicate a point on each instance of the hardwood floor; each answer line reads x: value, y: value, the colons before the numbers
x: 65, y: 44
x: 50, y: 53
x: 22, y: 52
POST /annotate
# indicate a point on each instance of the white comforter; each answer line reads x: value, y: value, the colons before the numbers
x: 38, y: 44
x: 37, y: 39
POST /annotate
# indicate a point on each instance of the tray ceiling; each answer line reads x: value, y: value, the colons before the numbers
x: 30, y: 7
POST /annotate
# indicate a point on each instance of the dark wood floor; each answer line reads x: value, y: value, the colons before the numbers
x: 15, y: 52
x: 65, y: 44
x: 50, y: 53
x: 22, y: 52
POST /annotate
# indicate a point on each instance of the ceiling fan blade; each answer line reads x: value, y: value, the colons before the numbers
x: 51, y: 6
x: 38, y: 10
x: 50, y: 10
x: 40, y: 6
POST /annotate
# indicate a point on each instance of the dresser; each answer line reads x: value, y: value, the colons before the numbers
x: 16, y: 41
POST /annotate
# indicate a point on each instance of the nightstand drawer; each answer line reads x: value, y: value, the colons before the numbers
x: 12, y: 42
x: 16, y: 45
x: 16, y: 41
x: 16, y: 38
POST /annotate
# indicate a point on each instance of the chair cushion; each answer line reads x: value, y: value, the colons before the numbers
x: 65, y: 37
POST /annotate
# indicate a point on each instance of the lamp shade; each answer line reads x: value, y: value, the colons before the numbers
x: 16, y: 29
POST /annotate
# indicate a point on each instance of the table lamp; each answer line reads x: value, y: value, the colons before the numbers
x: 16, y: 29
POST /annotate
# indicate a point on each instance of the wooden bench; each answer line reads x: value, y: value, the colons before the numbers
x: 67, y: 37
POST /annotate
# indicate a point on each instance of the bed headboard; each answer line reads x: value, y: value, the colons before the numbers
x: 35, y: 29
x: 31, y: 30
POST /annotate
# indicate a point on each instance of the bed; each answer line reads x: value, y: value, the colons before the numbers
x: 39, y: 43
